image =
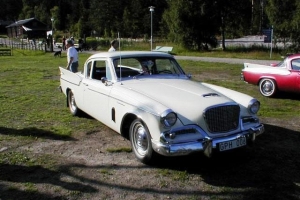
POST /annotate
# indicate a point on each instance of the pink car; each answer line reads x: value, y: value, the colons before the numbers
x: 284, y: 76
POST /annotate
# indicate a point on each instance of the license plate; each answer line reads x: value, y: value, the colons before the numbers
x: 232, y: 144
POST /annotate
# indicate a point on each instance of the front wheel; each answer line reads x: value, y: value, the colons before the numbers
x: 141, y: 141
x: 267, y: 87
x: 72, y: 104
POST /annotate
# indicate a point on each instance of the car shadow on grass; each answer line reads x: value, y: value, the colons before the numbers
x: 268, y: 170
x: 31, y: 175
x: 287, y: 95
x: 34, y: 132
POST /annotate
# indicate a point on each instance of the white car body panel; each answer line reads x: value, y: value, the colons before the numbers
x: 257, y: 68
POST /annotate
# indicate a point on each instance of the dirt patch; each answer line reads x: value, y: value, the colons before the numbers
x: 83, y: 168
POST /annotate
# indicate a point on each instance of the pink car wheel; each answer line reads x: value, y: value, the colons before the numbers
x: 267, y: 87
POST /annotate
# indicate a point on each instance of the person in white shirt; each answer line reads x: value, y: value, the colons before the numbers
x: 113, y: 45
x: 72, y: 56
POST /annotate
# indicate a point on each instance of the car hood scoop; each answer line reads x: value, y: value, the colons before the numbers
x: 210, y: 95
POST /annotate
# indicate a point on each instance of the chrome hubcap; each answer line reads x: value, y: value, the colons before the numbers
x: 72, y: 102
x: 141, y: 139
x: 267, y: 87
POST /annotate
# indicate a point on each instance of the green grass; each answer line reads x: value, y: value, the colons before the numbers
x: 231, y: 53
x: 30, y: 97
x: 33, y: 108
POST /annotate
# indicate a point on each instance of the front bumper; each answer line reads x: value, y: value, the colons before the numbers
x: 205, y: 145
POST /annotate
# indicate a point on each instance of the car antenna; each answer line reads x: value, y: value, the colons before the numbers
x: 120, y: 64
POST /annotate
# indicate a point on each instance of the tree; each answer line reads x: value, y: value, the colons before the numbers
x: 40, y: 12
x: 55, y: 15
x: 83, y: 22
x: 133, y: 19
x: 233, y: 17
x: 10, y: 9
x: 280, y: 14
x: 27, y: 10
x: 295, y: 31
x: 284, y: 17
x: 191, y: 24
x: 103, y: 16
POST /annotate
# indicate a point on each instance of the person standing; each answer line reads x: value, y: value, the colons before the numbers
x: 72, y: 56
x: 113, y: 45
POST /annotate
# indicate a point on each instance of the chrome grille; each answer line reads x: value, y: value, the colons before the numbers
x: 222, y: 118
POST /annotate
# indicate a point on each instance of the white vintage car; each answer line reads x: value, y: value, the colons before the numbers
x: 148, y: 98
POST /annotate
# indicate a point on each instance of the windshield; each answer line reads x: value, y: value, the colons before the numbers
x: 147, y: 66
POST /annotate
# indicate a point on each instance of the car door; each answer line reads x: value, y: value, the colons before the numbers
x: 96, y: 94
x: 295, y: 65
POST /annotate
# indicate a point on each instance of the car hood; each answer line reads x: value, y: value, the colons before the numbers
x: 185, y: 97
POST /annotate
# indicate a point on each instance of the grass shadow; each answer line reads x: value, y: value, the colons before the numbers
x: 34, y: 132
x: 31, y: 175
x: 287, y: 95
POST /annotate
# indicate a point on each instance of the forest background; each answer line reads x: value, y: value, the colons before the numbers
x: 194, y: 24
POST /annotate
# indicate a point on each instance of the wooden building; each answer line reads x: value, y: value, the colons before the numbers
x: 27, y: 28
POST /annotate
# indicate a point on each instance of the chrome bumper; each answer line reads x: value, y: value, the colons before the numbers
x: 242, y: 77
x: 205, y: 145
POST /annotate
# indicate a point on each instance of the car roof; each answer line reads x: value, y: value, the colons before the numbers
x: 116, y: 54
x: 294, y: 55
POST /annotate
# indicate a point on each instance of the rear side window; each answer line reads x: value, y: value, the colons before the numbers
x: 296, y: 64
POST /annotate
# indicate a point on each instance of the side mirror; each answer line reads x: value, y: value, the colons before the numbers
x: 104, y: 80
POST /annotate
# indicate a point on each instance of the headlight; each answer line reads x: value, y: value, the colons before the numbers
x: 253, y: 106
x: 168, y: 118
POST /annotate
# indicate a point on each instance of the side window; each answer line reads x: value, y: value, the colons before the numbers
x: 295, y: 64
x: 99, y: 69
